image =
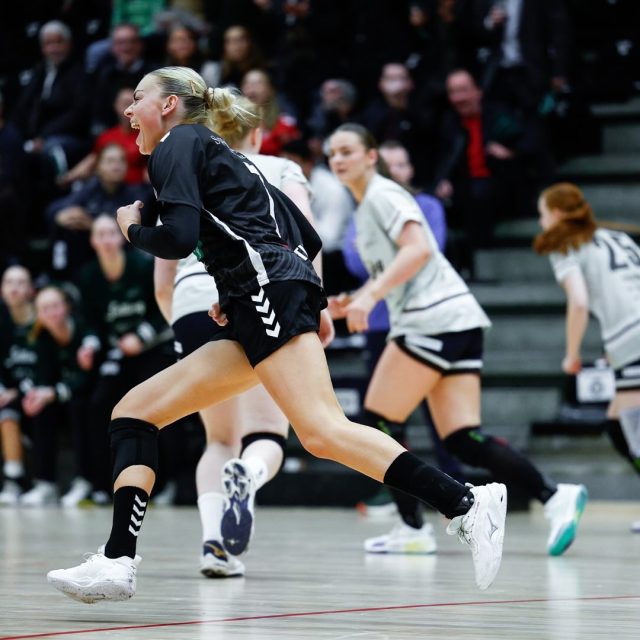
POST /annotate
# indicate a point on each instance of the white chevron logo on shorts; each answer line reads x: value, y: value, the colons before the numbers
x: 260, y: 297
x: 275, y: 332
x: 267, y: 314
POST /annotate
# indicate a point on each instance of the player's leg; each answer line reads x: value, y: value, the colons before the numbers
x: 297, y: 377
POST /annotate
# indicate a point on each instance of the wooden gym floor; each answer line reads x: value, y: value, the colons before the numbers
x: 307, y: 577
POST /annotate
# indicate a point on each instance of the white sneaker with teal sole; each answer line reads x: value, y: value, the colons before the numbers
x: 404, y: 539
x: 98, y: 578
x: 482, y: 528
x: 564, y: 510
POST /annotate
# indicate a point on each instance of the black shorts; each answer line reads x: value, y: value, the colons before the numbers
x: 264, y: 320
x: 628, y: 377
x: 449, y: 353
x: 192, y: 331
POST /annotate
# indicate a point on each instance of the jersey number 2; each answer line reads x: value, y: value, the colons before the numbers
x: 622, y: 252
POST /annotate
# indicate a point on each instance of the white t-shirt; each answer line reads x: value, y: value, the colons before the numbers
x: 610, y: 265
x: 194, y: 289
x: 435, y: 300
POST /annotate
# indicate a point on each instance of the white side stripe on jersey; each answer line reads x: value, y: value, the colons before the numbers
x: 254, y: 256
x: 272, y: 211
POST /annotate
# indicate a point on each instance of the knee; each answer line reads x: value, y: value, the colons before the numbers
x: 320, y: 439
x: 127, y: 408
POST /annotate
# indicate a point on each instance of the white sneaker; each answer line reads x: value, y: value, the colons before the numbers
x: 100, y: 498
x: 43, y: 493
x: 564, y: 509
x: 217, y: 563
x: 98, y: 578
x: 404, y: 539
x: 80, y: 490
x: 10, y: 494
x: 482, y: 528
x: 237, y: 519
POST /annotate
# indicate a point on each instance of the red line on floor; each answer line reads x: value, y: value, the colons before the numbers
x: 274, y: 616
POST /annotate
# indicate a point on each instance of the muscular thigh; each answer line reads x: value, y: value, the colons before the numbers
x: 211, y: 374
x: 399, y: 383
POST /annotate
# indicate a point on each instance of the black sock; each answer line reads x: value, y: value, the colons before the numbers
x: 478, y: 449
x: 409, y: 508
x: 129, y: 507
x: 407, y: 473
x: 616, y: 435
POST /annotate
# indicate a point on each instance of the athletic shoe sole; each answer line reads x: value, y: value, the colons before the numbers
x: 90, y: 594
x: 237, y: 520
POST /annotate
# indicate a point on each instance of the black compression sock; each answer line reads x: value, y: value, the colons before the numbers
x: 478, y: 449
x: 409, y: 474
x: 129, y: 507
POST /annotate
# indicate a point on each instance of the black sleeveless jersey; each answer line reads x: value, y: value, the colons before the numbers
x: 250, y: 232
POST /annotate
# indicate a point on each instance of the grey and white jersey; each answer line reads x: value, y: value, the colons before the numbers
x: 610, y: 264
x: 194, y: 289
x: 435, y: 300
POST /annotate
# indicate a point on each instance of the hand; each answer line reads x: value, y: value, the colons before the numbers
x: 36, y: 399
x: 7, y: 395
x: 218, y: 315
x: 128, y: 215
x: 572, y: 365
x: 358, y: 312
x: 444, y: 190
x: 85, y: 357
x: 499, y: 151
x: 327, y: 331
x: 337, y: 305
x: 75, y: 218
x: 130, y: 344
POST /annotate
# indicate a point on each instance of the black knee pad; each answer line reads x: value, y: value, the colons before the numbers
x: 133, y: 442
x: 281, y: 441
x: 394, y: 429
x: 471, y: 446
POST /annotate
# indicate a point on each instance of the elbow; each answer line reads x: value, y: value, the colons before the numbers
x: 423, y: 255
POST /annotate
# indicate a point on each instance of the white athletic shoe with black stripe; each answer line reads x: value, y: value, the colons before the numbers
x: 237, y: 520
x: 482, y: 528
x: 217, y: 563
x: 98, y: 578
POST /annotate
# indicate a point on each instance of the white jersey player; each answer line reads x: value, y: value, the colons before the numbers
x: 599, y: 269
x: 434, y: 348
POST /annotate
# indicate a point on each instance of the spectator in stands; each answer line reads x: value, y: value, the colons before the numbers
x: 477, y: 164
x: 127, y: 340
x: 121, y: 134
x: 182, y: 50
x: 17, y: 370
x: 529, y: 45
x: 530, y: 52
x: 13, y: 183
x: 332, y: 206
x: 396, y: 157
x: 336, y: 105
x: 396, y: 114
x: 52, y: 113
x: 58, y: 397
x: 124, y: 67
x: 72, y: 216
x: 278, y: 125
x: 240, y: 54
